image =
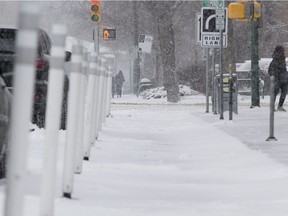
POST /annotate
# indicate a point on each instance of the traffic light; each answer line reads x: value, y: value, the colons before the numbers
x: 257, y: 10
x: 95, y: 11
x: 109, y: 34
x: 105, y: 34
x: 244, y: 10
x: 236, y: 10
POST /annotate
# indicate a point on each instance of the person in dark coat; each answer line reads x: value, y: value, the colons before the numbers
x: 119, y: 80
x: 277, y: 68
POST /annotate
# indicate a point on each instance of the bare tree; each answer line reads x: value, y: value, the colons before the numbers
x: 163, y: 14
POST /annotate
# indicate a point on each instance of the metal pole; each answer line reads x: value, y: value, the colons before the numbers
x: 213, y: 83
x: 54, y: 102
x: 221, y: 75
x: 272, y: 109
x: 96, y: 39
x: 73, y: 105
x: 24, y: 74
x: 255, y: 96
x: 207, y: 80
x: 230, y: 93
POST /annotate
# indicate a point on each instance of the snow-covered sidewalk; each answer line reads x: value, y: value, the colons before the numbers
x: 165, y: 160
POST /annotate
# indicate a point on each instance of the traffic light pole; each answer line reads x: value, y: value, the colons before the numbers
x: 255, y: 96
x: 96, y: 39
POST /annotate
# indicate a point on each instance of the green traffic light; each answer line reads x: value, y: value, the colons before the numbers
x: 95, y: 18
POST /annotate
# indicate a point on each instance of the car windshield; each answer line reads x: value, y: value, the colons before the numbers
x: 7, y: 40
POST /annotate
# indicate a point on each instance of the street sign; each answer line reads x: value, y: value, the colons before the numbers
x: 220, y: 14
x: 220, y: 5
x: 206, y: 3
x: 210, y: 37
x: 145, y: 43
x: 209, y: 3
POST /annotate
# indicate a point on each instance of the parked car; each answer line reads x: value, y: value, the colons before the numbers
x: 7, y: 57
x: 244, y: 76
x: 5, y: 100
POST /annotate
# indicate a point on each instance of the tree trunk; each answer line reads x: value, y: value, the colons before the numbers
x: 166, y: 37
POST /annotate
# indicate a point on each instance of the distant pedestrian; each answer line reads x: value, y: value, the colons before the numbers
x: 119, y: 80
x: 277, y: 68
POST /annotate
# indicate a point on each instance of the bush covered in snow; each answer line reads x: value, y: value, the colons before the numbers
x: 159, y: 92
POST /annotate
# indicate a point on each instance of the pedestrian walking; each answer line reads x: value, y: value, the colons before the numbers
x: 119, y: 80
x: 277, y: 68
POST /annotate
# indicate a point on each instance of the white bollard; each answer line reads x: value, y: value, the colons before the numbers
x: 109, y: 90
x: 24, y: 75
x: 98, y: 86
x: 72, y: 118
x: 93, y: 79
x: 98, y: 119
x: 80, y: 125
x: 105, y: 95
x: 53, y: 113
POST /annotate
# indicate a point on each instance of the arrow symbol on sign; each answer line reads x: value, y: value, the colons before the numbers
x: 208, y: 20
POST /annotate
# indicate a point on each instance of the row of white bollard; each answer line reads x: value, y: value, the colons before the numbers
x: 89, y: 102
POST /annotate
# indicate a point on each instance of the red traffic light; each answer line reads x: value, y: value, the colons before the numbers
x: 94, y: 8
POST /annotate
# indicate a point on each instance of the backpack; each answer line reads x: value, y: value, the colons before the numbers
x: 271, y: 69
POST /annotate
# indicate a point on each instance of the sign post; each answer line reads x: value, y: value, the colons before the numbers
x: 220, y: 13
x: 213, y: 34
x: 207, y: 80
x: 210, y: 36
x: 145, y: 43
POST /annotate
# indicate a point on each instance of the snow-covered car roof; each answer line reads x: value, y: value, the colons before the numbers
x: 145, y: 80
x: 4, y: 26
x: 263, y: 63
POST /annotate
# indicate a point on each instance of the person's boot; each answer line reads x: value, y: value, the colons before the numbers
x: 280, y: 108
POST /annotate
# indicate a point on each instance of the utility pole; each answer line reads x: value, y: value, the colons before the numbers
x: 250, y: 11
x: 255, y: 96
x: 136, y: 77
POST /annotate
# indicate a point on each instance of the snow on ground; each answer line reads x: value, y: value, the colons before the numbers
x: 161, y: 159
